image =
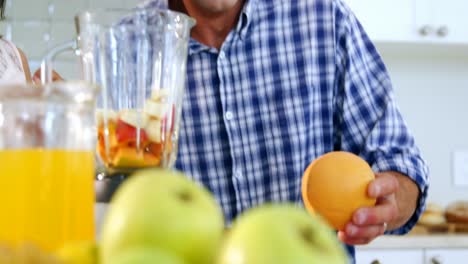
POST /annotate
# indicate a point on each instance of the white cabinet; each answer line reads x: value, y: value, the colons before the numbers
x: 415, y: 249
x: 451, y: 20
x: 412, y: 256
x: 442, y: 21
x: 446, y: 256
x: 385, y: 20
x: 390, y: 256
x: 420, y: 21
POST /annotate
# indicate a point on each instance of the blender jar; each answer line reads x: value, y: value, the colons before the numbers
x: 138, y: 58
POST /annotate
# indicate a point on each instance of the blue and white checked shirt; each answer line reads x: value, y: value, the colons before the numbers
x: 292, y: 81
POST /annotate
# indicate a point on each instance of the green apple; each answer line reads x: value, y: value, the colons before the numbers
x: 280, y: 234
x: 163, y: 209
x: 144, y: 255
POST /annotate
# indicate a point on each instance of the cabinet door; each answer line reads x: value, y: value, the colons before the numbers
x: 399, y: 256
x: 451, y: 20
x: 424, y: 29
x: 446, y: 256
x: 386, y: 20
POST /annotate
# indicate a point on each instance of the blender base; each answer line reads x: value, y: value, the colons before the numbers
x: 105, y: 187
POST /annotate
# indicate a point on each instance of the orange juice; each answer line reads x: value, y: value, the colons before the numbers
x: 46, y: 196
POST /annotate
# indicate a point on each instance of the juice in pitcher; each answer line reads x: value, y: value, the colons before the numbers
x: 47, y: 164
x: 47, y: 197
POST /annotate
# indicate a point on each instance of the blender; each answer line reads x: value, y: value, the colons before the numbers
x: 138, y: 59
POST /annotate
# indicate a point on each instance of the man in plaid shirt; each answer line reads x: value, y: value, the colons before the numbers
x: 271, y: 86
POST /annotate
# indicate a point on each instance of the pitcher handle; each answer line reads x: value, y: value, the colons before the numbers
x: 49, y: 59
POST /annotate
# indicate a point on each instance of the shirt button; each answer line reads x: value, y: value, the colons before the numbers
x: 238, y: 174
x: 222, y: 55
x: 229, y: 115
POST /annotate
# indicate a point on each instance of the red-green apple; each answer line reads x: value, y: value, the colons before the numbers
x: 280, y: 234
x: 163, y: 209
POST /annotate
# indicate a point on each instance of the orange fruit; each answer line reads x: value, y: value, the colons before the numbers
x: 335, y: 185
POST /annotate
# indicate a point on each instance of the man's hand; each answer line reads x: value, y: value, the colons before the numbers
x: 36, y: 78
x: 396, y: 197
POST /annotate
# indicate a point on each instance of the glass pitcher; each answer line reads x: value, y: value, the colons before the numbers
x: 138, y: 58
x: 47, y: 142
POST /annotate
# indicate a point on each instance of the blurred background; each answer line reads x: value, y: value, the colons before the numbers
x: 424, y: 44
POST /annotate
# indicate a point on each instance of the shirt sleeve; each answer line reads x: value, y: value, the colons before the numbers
x: 367, y: 116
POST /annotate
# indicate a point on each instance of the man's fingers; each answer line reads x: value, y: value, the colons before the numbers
x: 383, y: 185
x: 353, y: 240
x: 370, y: 231
x: 384, y: 212
x: 370, y: 222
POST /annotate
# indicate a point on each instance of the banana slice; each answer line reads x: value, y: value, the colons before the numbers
x: 156, y: 109
x: 159, y: 94
x: 153, y: 130
x: 134, y: 117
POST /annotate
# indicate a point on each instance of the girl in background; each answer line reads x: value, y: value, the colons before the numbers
x: 14, y: 67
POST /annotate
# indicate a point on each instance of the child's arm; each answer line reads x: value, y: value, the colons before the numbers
x: 24, y: 62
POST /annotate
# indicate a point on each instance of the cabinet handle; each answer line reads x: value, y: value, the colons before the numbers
x: 442, y: 31
x: 436, y: 260
x: 426, y: 30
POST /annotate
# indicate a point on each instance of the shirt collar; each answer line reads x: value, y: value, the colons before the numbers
x: 195, y: 47
x: 245, y: 18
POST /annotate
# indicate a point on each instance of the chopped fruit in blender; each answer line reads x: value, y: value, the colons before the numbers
x: 130, y: 158
x: 155, y: 148
x: 153, y: 130
x: 101, y: 115
x: 112, y: 139
x: 134, y: 118
x: 156, y: 109
x: 127, y: 133
x: 111, y: 125
x: 123, y: 149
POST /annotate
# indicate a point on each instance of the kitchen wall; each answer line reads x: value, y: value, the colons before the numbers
x: 431, y: 82
x: 431, y: 85
x: 36, y: 26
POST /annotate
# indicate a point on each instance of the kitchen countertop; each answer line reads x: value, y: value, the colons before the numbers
x: 384, y: 242
x: 418, y: 241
